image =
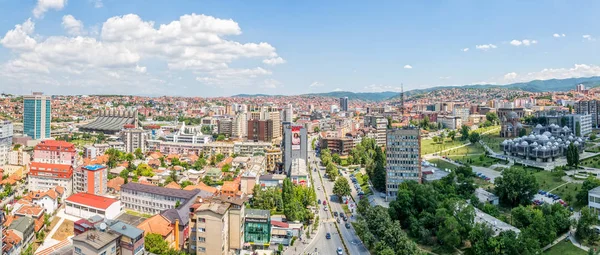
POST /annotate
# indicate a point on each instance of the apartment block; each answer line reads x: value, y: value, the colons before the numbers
x: 91, y: 179
x: 379, y: 123
x: 55, y: 152
x: 6, y: 136
x: 403, y: 156
x: 153, y: 199
x: 134, y: 138
x: 45, y: 176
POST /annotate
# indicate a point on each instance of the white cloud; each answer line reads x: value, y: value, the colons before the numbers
x: 43, y: 6
x: 445, y: 77
x: 486, y: 47
x: 72, y: 25
x: 199, y: 44
x: 588, y: 38
x: 578, y: 70
x: 558, y: 35
x: 97, y: 3
x: 465, y: 49
x: 407, y: 67
x: 274, y: 61
x: 381, y: 88
x: 316, y: 84
x: 525, y: 42
x: 271, y: 84
x: 337, y: 89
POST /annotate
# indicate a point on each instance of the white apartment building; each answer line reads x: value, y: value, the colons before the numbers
x: 6, y: 135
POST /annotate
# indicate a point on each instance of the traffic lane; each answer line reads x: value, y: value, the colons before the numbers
x: 492, y: 174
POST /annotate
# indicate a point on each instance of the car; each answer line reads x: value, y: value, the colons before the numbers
x: 319, y: 201
x: 360, y: 193
x: 342, y: 215
x: 541, y: 192
x: 319, y: 188
x: 325, y: 208
x: 340, y: 251
x: 352, y: 175
x: 338, y: 220
x: 335, y: 214
x: 347, y: 225
x: 324, y: 202
x: 549, y: 194
x: 328, y: 236
x: 345, y: 218
x: 479, y: 174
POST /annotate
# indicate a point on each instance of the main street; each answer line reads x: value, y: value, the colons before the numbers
x: 355, y: 246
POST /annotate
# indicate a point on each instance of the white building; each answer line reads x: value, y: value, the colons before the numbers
x: 239, y: 127
x: 585, y: 122
x: 450, y: 122
x: 134, y: 138
x: 84, y: 205
x: 594, y: 200
x: 289, y: 113
x: 6, y: 135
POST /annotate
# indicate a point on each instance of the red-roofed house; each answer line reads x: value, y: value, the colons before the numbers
x: 45, y: 176
x: 55, y: 152
x: 86, y: 205
x: 48, y: 199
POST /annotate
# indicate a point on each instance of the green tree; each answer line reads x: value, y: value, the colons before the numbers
x: 177, y: 204
x: 585, y: 223
x: 522, y: 132
x: 379, y: 173
x: 593, y: 137
x: 464, y: 132
x: 138, y: 153
x: 578, y: 129
x: 220, y: 137
x: 448, y: 232
x: 336, y: 158
x: 226, y: 168
x: 572, y: 155
x: 144, y: 169
x: 331, y: 170
x: 341, y: 187
x: 474, y: 137
x: 516, y: 186
x: 219, y: 157
x: 186, y: 183
x: 452, y: 135
x: 492, y: 117
x: 589, y: 184
x: 155, y: 243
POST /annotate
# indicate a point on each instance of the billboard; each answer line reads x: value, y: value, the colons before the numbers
x: 296, y: 137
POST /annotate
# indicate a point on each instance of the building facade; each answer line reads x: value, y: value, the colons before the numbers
x: 294, y: 145
x: 134, y: 138
x: 153, y: 199
x: 257, y: 228
x: 260, y: 130
x: 344, y: 104
x: 84, y: 205
x: 403, y: 156
x: 44, y: 176
x: 55, y: 152
x: 6, y: 135
x: 37, y: 115
x: 379, y: 123
x: 91, y: 179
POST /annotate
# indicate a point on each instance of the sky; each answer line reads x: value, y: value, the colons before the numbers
x: 223, y: 48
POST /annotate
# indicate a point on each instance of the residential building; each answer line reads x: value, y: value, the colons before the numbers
x: 462, y: 113
x: 47, y: 199
x: 225, y: 127
x: 55, y: 152
x: 131, y: 239
x: 298, y: 172
x: 340, y: 145
x: 591, y: 107
x: 134, y: 138
x: 91, y: 179
x: 84, y: 205
x: 44, y: 176
x: 594, y: 201
x: 344, y: 104
x: 160, y: 225
x: 153, y: 199
x: 294, y: 145
x: 6, y: 136
x: 289, y: 113
x: 403, y: 158
x: 248, y: 149
x: 485, y: 196
x: 379, y: 123
x: 450, y: 122
x: 257, y: 228
x: 192, y: 134
x: 18, y: 157
x: 239, y: 127
x: 37, y: 115
x: 175, y: 148
x: 215, y: 148
x: 96, y: 242
x: 273, y: 159
x: 261, y: 130
x: 24, y: 228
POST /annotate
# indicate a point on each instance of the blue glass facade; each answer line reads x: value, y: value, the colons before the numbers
x: 36, y: 117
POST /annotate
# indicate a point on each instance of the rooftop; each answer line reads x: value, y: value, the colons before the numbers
x: 21, y: 224
x: 92, y: 200
x: 94, y: 167
x: 496, y: 224
x: 186, y: 194
x: 126, y: 229
x: 595, y: 191
x: 95, y: 238
x: 258, y: 214
x: 299, y: 167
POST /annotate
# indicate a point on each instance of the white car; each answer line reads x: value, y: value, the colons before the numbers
x: 319, y: 188
x: 340, y: 251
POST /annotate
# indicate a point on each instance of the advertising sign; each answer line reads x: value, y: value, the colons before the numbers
x: 296, y: 137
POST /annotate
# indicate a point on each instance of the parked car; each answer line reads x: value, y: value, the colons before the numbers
x: 360, y: 193
x: 319, y: 201
x: 487, y: 178
x: 335, y: 214
x: 338, y: 220
x: 324, y: 202
x: 342, y: 215
x: 347, y: 225
x: 328, y: 236
x: 340, y: 251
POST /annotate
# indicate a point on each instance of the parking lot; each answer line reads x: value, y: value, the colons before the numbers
x: 492, y: 174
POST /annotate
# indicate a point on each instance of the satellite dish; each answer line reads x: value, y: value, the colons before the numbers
x: 103, y: 226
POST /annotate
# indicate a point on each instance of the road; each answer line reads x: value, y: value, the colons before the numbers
x: 326, y: 221
x: 355, y: 246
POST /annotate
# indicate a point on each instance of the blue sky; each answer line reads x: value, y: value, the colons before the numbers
x: 284, y: 47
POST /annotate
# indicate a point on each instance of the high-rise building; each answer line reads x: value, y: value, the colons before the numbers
x: 295, y: 142
x: 591, y: 107
x: 225, y: 127
x: 55, y: 152
x: 134, y: 138
x: 379, y: 123
x: 344, y: 104
x: 239, y: 127
x: 289, y: 113
x: 37, y: 115
x: 403, y: 158
x: 90, y: 179
x: 6, y: 135
x: 260, y: 130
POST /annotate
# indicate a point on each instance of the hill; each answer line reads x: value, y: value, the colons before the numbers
x: 367, y: 96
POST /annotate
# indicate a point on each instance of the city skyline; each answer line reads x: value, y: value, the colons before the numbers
x: 221, y: 49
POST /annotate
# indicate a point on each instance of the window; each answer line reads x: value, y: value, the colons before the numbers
x: 78, y: 250
x: 104, y: 253
x: 201, y: 249
x: 201, y: 239
x: 201, y: 230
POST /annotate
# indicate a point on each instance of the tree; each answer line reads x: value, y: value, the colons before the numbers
x: 177, y: 204
x: 138, y: 153
x: 522, y: 132
x: 448, y: 232
x: 572, y: 155
x: 155, y: 243
x: 492, y: 117
x: 578, y: 129
x: 442, y: 137
x: 516, y: 186
x: 186, y: 183
x: 219, y: 157
x: 172, y: 177
x: 435, y: 139
x: 586, y: 221
x: 129, y: 157
x: 474, y: 137
x: 379, y: 173
x: 226, y: 168
x: 452, y: 135
x: 220, y: 137
x: 341, y: 187
x: 593, y: 137
x: 144, y: 169
x: 316, y: 129
x: 206, y: 129
x: 331, y: 170
x: 464, y: 132
x: 336, y: 158
x: 588, y: 184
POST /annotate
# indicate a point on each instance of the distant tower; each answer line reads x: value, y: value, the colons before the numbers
x: 402, y: 98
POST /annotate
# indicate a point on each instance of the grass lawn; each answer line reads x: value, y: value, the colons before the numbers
x: 591, y: 162
x: 466, y: 150
x: 483, y: 183
x: 568, y: 193
x: 428, y: 146
x: 565, y: 248
x: 493, y: 141
x: 442, y: 164
x: 143, y: 215
x: 548, y: 180
x: 476, y: 160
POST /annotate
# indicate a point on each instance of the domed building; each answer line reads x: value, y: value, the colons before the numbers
x: 544, y: 144
x: 510, y: 125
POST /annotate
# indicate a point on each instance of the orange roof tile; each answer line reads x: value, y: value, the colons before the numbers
x: 30, y: 210
x: 173, y: 185
x: 92, y: 200
x: 202, y: 186
x: 228, y: 160
x: 156, y: 224
x: 115, y: 183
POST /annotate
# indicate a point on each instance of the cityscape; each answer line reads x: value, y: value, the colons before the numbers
x: 130, y: 127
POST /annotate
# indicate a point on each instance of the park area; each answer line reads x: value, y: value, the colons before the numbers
x: 564, y: 248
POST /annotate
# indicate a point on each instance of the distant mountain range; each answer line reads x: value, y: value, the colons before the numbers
x: 532, y: 86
